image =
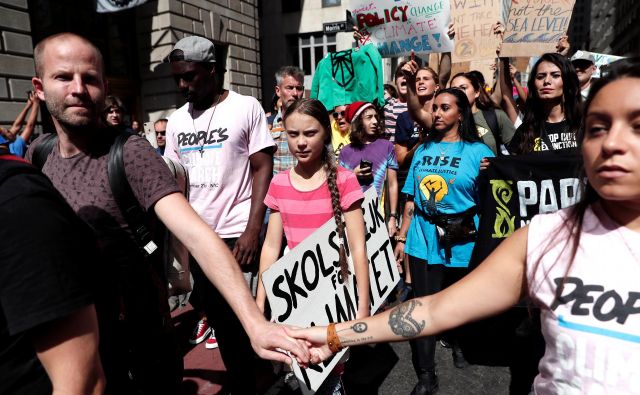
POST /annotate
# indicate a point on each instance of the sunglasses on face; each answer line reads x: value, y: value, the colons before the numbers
x: 338, y: 114
x: 161, y: 133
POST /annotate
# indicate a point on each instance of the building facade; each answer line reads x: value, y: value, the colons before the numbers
x: 133, y: 43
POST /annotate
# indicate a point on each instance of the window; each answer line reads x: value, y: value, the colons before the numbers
x: 312, y: 48
x: 330, y: 3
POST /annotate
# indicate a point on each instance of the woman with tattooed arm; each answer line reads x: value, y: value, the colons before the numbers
x: 588, y: 295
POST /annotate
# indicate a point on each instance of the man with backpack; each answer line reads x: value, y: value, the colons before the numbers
x: 137, y: 349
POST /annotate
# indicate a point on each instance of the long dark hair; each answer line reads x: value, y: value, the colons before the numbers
x: 315, y: 109
x: 535, y: 115
x: 483, y: 102
x: 467, y: 129
x: 357, y: 135
x: 624, y: 68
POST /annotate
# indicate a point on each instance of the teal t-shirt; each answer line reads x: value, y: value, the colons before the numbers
x: 442, y: 180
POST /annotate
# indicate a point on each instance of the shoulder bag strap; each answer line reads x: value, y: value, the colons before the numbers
x: 129, y: 206
x: 43, y: 149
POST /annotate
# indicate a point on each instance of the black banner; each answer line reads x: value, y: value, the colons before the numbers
x: 515, y: 188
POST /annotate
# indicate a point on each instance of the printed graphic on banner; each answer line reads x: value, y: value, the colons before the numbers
x: 473, y: 24
x: 535, y: 26
x: 398, y: 27
x: 516, y: 189
x: 601, y: 60
x: 305, y: 289
x: 117, y: 5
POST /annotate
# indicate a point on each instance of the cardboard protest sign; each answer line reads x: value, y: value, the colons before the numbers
x: 535, y: 26
x: 601, y: 60
x: 474, y: 20
x: 304, y: 287
x: 398, y: 27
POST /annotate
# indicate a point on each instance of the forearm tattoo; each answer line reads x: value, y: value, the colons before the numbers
x: 358, y: 327
x: 402, y: 323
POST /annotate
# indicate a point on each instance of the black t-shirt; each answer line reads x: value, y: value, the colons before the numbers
x: 407, y: 131
x: 45, y: 263
x: 556, y: 136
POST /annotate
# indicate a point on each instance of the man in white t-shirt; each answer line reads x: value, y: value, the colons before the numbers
x: 222, y: 139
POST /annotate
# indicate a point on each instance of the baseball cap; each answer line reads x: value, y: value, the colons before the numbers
x: 193, y: 49
x: 581, y: 55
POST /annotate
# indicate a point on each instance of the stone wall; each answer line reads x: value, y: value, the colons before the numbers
x: 230, y: 23
x: 16, y: 58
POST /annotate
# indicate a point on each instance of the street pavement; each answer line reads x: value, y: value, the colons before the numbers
x: 205, y: 372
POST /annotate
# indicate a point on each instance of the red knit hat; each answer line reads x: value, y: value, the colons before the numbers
x: 354, y: 110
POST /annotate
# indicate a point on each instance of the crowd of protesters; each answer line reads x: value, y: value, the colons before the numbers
x: 260, y: 185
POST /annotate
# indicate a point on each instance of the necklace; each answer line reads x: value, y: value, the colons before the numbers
x: 443, y: 152
x: 193, y: 120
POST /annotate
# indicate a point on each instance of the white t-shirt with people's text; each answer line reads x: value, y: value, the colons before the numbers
x: 215, y: 145
x: 591, y: 312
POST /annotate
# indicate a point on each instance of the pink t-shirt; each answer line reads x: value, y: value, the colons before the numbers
x: 304, y: 212
x: 218, y: 159
x: 592, y: 330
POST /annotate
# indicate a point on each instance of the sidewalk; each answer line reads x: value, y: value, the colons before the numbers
x: 203, y: 369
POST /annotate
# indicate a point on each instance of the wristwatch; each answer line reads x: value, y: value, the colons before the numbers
x: 394, y: 215
x: 400, y: 239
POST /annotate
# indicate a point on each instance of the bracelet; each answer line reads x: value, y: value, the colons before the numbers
x: 393, y: 215
x: 333, y: 341
x: 400, y: 239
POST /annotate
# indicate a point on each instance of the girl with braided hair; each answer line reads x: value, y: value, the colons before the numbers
x: 305, y: 197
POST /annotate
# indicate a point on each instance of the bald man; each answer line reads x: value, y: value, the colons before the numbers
x: 136, y: 342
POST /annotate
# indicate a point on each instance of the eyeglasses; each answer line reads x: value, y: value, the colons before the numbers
x: 161, y: 133
x: 338, y: 114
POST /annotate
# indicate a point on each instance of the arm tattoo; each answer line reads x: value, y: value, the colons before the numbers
x: 358, y: 327
x: 402, y: 323
x: 410, y: 212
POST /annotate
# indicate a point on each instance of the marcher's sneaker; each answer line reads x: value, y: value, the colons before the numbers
x: 211, y: 341
x: 444, y: 344
x: 427, y: 384
x: 200, y: 332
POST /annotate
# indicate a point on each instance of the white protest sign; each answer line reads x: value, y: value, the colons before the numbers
x: 535, y: 26
x: 304, y: 287
x: 474, y: 20
x: 398, y: 27
x: 600, y: 60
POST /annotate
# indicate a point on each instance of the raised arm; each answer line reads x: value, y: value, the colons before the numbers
x: 17, y: 124
x: 419, y: 114
x: 504, y: 78
x: 491, y: 288
x: 31, y: 121
x: 222, y: 270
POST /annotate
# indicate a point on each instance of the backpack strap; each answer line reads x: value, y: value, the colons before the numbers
x: 43, y: 149
x: 492, y: 120
x: 129, y: 206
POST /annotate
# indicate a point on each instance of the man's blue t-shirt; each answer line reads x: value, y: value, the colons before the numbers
x: 18, y: 147
x: 442, y: 180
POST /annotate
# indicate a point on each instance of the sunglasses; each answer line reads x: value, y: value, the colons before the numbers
x: 161, y: 133
x: 338, y: 114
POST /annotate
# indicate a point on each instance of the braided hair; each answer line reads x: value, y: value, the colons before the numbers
x: 315, y: 109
